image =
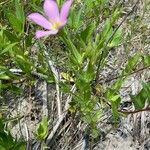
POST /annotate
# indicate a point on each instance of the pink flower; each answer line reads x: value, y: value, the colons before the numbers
x: 53, y: 20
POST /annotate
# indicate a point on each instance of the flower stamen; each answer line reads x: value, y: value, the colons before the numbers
x: 56, y: 25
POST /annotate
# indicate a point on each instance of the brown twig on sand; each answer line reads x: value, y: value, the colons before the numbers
x: 135, y: 111
x: 121, y: 76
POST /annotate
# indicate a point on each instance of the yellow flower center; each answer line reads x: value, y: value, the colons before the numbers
x: 56, y: 25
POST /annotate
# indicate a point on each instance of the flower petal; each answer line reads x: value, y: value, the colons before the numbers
x: 65, y: 11
x: 51, y: 10
x: 40, y: 20
x: 42, y: 33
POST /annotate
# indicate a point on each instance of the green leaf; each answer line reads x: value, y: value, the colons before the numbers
x: 28, y: 40
x: 74, y: 54
x: 131, y: 63
x: 87, y: 32
x: 116, y: 38
x: 8, y: 48
x: 2, y: 148
x: 89, y: 74
x: 139, y: 100
x: 6, y: 139
x: 19, y: 145
x: 75, y: 18
x: 146, y: 87
x: 146, y: 60
x: 114, y: 99
x: 65, y: 87
x: 4, y: 76
x: 103, y: 36
x: 23, y: 63
x: 16, y: 24
x: 107, y: 30
x: 11, y: 36
x: 42, y: 129
x: 143, y: 96
x: 118, y: 83
x: 95, y: 133
x: 112, y: 95
x: 19, y: 11
x: 36, y: 8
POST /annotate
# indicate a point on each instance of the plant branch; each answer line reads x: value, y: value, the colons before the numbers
x: 56, y: 77
x: 33, y: 73
x: 121, y: 76
x: 104, y: 51
x: 135, y: 111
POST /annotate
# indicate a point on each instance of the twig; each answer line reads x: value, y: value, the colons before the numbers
x: 35, y: 74
x: 56, y: 76
x: 135, y: 111
x: 27, y: 137
x: 121, y: 76
x: 63, y: 115
x: 45, y: 99
x: 110, y: 39
x: 78, y: 145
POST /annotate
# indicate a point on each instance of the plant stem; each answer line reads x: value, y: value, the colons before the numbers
x: 105, y: 50
x: 135, y: 111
